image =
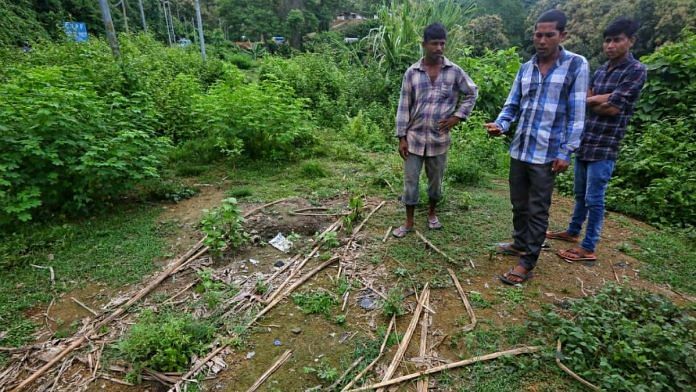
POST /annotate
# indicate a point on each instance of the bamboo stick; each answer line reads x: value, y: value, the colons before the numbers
x: 278, y: 363
x: 422, y: 385
x: 453, y: 365
x: 374, y: 362
x: 467, y: 305
x: 79, y: 341
x: 407, y: 336
x: 570, y: 372
x: 257, y: 209
x: 386, y: 235
x: 360, y: 226
x: 85, y: 307
x: 345, y: 374
x: 435, y: 248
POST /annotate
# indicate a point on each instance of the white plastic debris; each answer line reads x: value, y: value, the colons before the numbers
x: 253, y: 261
x: 250, y: 354
x: 281, y: 243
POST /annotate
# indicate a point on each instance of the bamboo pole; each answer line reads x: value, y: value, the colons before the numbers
x: 80, y: 340
x: 435, y: 248
x: 467, y: 305
x: 407, y: 336
x: 453, y: 365
x: 345, y: 374
x: 374, y: 362
x: 360, y: 226
x: 278, y: 363
x: 257, y: 209
x: 422, y: 385
x: 570, y: 372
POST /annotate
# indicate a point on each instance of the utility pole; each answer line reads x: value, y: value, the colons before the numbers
x: 109, y: 27
x: 125, y: 16
x: 142, y: 15
x: 200, y: 28
x: 166, y: 21
x: 171, y: 21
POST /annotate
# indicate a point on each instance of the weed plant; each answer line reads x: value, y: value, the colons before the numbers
x: 393, y: 304
x: 223, y: 226
x: 315, y: 302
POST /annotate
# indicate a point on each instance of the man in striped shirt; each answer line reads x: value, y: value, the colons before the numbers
x: 427, y: 112
x: 547, y: 100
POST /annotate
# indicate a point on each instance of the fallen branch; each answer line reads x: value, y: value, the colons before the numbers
x: 50, y: 270
x: 453, y: 365
x: 345, y: 374
x: 196, y: 367
x: 89, y: 331
x: 360, y: 226
x: 115, y: 380
x: 257, y: 209
x: 422, y: 385
x: 570, y: 372
x: 87, y: 308
x: 386, y: 235
x: 435, y: 248
x: 582, y: 286
x: 374, y: 362
x: 616, y: 276
x: 178, y: 293
x: 467, y: 305
x: 278, y: 363
x: 407, y: 336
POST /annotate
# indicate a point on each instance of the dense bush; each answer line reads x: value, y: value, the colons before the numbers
x: 64, y: 147
x: 626, y: 340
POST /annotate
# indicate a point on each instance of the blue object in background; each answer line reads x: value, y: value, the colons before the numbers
x: 76, y: 30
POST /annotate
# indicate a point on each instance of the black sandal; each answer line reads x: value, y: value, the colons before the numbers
x: 524, y: 277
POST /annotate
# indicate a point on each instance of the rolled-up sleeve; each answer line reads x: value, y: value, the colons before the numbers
x: 403, y: 114
x: 627, y: 92
x: 511, y: 108
x: 577, y: 98
x: 468, y: 88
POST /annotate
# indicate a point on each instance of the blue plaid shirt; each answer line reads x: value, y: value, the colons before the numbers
x: 603, y: 134
x: 550, y: 110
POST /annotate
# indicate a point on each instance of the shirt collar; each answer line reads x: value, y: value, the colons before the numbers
x: 627, y: 60
x: 561, y: 56
x: 446, y: 63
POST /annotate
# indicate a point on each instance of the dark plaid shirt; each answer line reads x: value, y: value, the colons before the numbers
x: 603, y: 134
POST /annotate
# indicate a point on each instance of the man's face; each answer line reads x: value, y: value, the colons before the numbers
x: 547, y: 38
x: 617, y: 46
x: 434, y: 49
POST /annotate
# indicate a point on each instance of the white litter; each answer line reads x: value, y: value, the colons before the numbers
x: 253, y: 261
x: 281, y: 243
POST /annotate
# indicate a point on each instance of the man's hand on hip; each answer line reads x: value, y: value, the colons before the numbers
x: 446, y: 125
x: 559, y: 165
x: 493, y: 129
x: 403, y: 147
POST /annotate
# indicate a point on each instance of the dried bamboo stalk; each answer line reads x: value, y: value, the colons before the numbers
x: 453, y: 365
x: 178, y: 293
x: 278, y: 363
x: 570, y: 372
x: 292, y: 274
x: 85, y: 307
x: 435, y: 248
x: 80, y: 340
x: 422, y: 385
x: 360, y: 226
x: 467, y: 305
x: 407, y: 336
x: 196, y: 367
x: 345, y: 374
x: 386, y: 235
x: 374, y: 362
x: 257, y: 209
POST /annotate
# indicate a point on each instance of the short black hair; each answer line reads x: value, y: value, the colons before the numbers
x: 554, y: 16
x: 621, y: 25
x: 434, y: 31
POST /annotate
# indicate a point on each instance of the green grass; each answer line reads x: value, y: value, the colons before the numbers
x: 670, y: 257
x: 114, y: 248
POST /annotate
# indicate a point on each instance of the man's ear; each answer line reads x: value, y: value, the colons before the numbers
x: 563, y: 35
x: 632, y: 41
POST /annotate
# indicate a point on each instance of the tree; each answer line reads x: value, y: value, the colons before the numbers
x: 486, y: 32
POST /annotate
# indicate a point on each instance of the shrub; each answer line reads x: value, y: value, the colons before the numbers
x: 315, y: 302
x: 223, y: 226
x: 66, y: 148
x: 164, y: 342
x: 626, y: 340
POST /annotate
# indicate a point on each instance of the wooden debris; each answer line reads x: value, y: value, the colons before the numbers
x: 386, y: 235
x: 278, y: 363
x: 467, y: 305
x: 407, y: 336
x: 614, y: 271
x: 178, y: 293
x: 196, y: 367
x: 453, y: 365
x: 570, y: 372
x: 87, y: 308
x: 50, y: 270
x: 582, y: 286
x: 345, y: 374
x: 360, y: 226
x: 435, y: 248
x: 422, y: 385
x: 115, y: 380
x: 257, y: 209
x: 122, y: 309
x: 374, y: 362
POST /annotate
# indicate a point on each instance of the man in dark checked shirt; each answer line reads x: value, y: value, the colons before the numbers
x: 614, y: 90
x: 427, y: 112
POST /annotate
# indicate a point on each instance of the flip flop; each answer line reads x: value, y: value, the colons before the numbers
x: 401, y: 231
x: 524, y: 277
x: 434, y: 224
x: 506, y: 248
x: 562, y: 235
x: 572, y: 255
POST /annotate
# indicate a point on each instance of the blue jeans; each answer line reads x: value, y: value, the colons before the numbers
x: 591, y: 180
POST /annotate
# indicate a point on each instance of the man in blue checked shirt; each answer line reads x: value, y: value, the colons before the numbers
x: 614, y: 91
x: 428, y: 109
x: 547, y: 100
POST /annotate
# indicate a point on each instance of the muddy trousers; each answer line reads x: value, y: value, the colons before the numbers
x: 531, y: 187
